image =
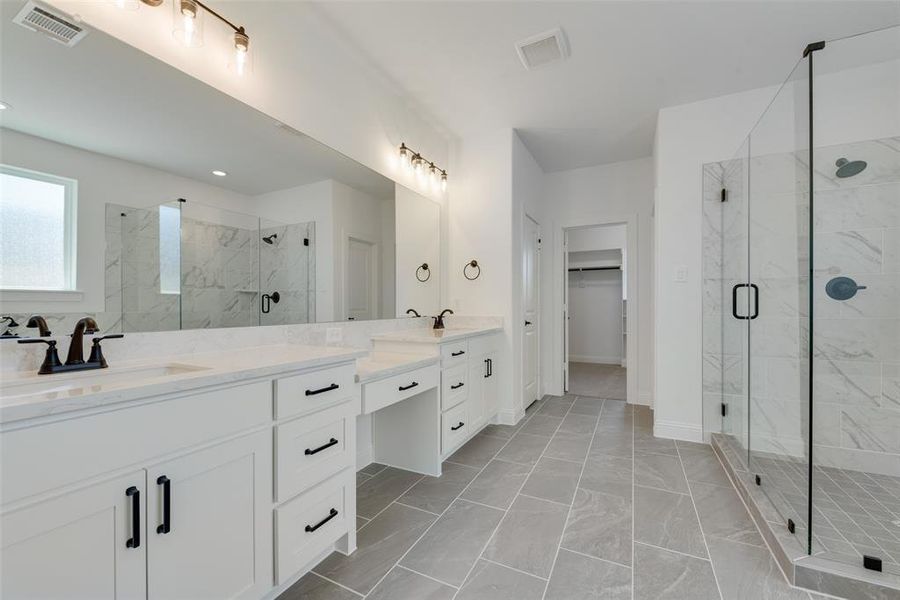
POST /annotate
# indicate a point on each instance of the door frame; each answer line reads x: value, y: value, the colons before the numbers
x: 537, y: 301
x: 346, y: 236
x: 560, y: 276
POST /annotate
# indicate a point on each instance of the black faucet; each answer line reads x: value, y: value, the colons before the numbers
x: 439, y: 320
x: 41, y: 324
x: 76, y: 347
x: 413, y: 311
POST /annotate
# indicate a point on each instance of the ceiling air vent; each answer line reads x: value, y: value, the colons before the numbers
x: 543, y: 49
x: 56, y: 25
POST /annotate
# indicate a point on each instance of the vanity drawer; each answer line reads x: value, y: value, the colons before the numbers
x: 390, y: 390
x: 453, y: 427
x: 313, y: 391
x: 313, y: 448
x: 454, y: 353
x: 301, y: 529
x: 454, y: 386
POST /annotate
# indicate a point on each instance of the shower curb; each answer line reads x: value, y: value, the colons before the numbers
x: 805, y: 571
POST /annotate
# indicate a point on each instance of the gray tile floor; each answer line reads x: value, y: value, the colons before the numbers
x: 578, y: 501
x: 854, y: 512
x: 599, y: 381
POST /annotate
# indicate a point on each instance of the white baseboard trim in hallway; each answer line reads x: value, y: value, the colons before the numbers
x: 675, y: 430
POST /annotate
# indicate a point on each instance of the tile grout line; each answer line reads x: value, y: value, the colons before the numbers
x: 572, y: 502
x: 331, y: 581
x: 699, y: 524
x: 606, y: 560
x: 376, y: 515
x: 506, y: 512
x: 435, y: 579
x: 500, y: 564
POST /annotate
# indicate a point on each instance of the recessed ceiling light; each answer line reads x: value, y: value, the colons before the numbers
x: 4, y: 106
x: 219, y: 173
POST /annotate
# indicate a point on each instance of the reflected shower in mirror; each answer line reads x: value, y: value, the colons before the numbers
x: 153, y: 202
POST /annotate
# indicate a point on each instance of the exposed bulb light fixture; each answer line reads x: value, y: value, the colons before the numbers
x: 188, y: 23
x: 218, y: 173
x: 241, y: 64
x: 436, y: 176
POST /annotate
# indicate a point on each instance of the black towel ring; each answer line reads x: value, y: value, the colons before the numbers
x: 423, y: 267
x: 473, y: 264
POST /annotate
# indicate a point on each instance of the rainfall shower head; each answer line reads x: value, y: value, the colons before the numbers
x: 270, y: 239
x: 849, y: 168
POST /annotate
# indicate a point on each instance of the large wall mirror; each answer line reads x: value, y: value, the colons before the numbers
x: 136, y: 194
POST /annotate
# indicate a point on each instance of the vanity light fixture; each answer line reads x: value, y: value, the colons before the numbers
x: 436, y: 175
x: 219, y: 173
x: 188, y: 29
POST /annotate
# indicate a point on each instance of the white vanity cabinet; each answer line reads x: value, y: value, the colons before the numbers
x: 466, y: 409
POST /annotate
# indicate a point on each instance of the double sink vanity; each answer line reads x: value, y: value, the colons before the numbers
x: 220, y: 474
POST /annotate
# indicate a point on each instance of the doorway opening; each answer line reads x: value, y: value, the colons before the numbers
x: 596, y: 301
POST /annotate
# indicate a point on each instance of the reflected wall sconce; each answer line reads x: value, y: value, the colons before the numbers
x: 423, y: 273
x: 472, y: 270
x: 188, y: 19
x: 411, y: 158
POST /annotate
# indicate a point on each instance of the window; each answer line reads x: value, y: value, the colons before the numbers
x: 37, y: 230
x: 169, y: 250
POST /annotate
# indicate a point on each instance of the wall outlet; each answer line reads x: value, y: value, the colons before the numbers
x: 333, y: 335
x: 681, y: 273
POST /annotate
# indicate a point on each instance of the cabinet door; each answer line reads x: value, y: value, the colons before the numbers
x: 490, y: 390
x: 476, y: 379
x: 210, y: 534
x: 81, y: 544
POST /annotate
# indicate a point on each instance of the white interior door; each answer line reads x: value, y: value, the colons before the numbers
x: 81, y: 544
x: 531, y: 296
x: 361, y: 281
x: 565, y: 315
x: 214, y: 544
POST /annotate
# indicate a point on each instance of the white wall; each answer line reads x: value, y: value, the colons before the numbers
x: 850, y: 106
x: 418, y: 234
x: 611, y: 193
x: 102, y: 179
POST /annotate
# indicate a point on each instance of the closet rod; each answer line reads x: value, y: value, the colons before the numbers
x: 595, y: 269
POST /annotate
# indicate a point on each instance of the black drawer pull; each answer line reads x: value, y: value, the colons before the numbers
x: 135, y: 540
x: 331, y: 514
x: 330, y: 443
x: 403, y: 388
x: 457, y: 386
x: 166, y: 525
x: 457, y: 427
x: 330, y: 388
x: 458, y: 353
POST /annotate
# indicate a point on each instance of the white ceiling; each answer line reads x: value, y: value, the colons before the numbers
x: 628, y: 60
x: 105, y: 96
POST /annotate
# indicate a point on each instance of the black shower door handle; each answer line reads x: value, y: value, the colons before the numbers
x: 734, y: 293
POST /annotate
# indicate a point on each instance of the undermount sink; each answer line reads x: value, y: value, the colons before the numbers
x: 88, y: 381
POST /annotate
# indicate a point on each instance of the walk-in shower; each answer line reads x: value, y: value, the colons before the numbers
x: 801, y: 338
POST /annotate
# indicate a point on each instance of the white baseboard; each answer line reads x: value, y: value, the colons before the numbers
x: 596, y: 360
x: 675, y: 430
x: 507, y: 416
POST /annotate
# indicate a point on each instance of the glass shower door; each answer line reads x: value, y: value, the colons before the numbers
x: 778, y: 295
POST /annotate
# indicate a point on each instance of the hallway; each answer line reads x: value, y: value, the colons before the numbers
x: 599, y: 381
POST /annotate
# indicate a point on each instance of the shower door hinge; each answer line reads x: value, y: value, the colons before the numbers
x: 810, y: 48
x: 791, y: 526
x: 724, y: 409
x: 873, y: 563
x: 758, y: 480
x: 724, y: 195
x: 306, y: 241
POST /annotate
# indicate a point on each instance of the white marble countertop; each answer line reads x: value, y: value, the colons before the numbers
x: 434, y: 336
x: 378, y: 365
x: 27, y: 395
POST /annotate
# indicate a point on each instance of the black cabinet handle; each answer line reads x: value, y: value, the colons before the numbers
x: 491, y: 367
x: 166, y: 525
x: 331, y: 514
x: 135, y: 540
x: 457, y: 386
x: 487, y: 368
x: 527, y: 323
x: 330, y: 388
x: 458, y: 353
x: 310, y: 452
x: 457, y: 427
x: 403, y: 388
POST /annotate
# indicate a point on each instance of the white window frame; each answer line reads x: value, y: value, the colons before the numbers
x: 70, y: 240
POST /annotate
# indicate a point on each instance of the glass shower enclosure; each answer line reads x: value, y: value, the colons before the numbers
x: 801, y: 276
